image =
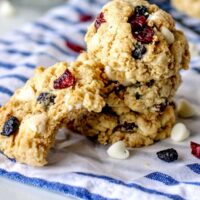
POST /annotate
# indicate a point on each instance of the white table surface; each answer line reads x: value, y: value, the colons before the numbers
x: 10, y: 189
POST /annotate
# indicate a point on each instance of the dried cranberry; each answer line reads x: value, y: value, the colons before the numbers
x: 47, y: 99
x: 139, y: 51
x: 99, y: 20
x: 138, y: 23
x: 85, y: 18
x: 140, y: 30
x: 10, y: 126
x: 195, y: 149
x: 74, y: 47
x: 64, y: 81
x: 141, y: 11
x: 144, y: 36
x: 168, y: 155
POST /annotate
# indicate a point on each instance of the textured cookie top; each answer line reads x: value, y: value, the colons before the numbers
x: 137, y: 41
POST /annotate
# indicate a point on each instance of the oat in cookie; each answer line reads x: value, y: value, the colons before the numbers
x: 134, y: 129
x: 137, y: 41
x: 190, y: 7
x: 31, y: 118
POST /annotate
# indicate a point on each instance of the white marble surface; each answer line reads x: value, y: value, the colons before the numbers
x: 10, y: 189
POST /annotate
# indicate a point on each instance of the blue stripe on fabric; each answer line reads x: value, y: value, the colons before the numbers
x: 14, y: 51
x: 16, y: 76
x: 63, y: 19
x: 48, y: 28
x: 132, y: 185
x: 29, y: 65
x: 5, y: 91
x: 161, y: 177
x: 5, y: 42
x: 7, y: 65
x: 41, y: 42
x: 12, y: 66
x: 168, y: 180
x: 28, y: 53
x: 196, y: 69
x: 194, y: 167
x: 53, y: 186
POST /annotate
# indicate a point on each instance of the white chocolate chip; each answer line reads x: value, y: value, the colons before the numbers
x: 185, y: 109
x: 108, y: 72
x: 193, y: 49
x: 169, y: 36
x: 78, y: 106
x: 37, y: 123
x: 7, y: 9
x: 118, y: 150
x: 94, y: 43
x: 155, y: 16
x: 179, y: 132
x: 26, y: 94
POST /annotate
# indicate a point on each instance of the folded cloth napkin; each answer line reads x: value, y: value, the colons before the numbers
x: 80, y: 168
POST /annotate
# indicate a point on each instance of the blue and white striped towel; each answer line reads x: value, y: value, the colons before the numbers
x: 91, y: 174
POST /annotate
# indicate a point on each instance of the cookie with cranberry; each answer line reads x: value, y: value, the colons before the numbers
x: 31, y: 118
x: 137, y: 41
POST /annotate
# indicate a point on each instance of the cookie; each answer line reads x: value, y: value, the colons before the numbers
x: 190, y: 7
x: 152, y: 96
x: 31, y: 118
x: 137, y: 41
x: 134, y: 129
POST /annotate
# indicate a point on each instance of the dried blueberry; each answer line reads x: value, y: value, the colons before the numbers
x: 107, y: 110
x: 139, y: 51
x: 127, y: 127
x: 11, y: 126
x: 46, y: 99
x: 141, y: 11
x: 137, y: 96
x: 64, y: 81
x: 150, y: 83
x: 168, y: 155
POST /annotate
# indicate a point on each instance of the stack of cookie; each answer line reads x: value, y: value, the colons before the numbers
x: 122, y: 88
x: 143, y: 54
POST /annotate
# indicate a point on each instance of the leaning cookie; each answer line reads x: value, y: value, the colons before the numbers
x: 190, y: 7
x: 137, y: 41
x: 134, y: 129
x: 31, y: 118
